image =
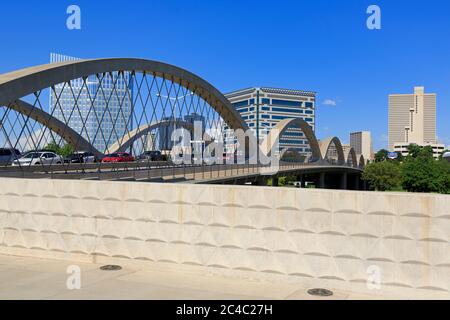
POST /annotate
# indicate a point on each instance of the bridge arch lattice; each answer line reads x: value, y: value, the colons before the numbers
x: 122, y: 97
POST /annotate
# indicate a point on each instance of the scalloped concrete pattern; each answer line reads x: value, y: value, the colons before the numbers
x: 283, y: 235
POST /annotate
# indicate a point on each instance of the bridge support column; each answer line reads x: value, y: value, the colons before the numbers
x: 303, y: 181
x: 275, y: 182
x: 322, y: 180
x: 261, y: 181
x: 357, y: 182
x: 365, y: 187
x: 344, y: 181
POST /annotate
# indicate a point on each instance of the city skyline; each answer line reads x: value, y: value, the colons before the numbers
x: 225, y: 151
x: 316, y: 51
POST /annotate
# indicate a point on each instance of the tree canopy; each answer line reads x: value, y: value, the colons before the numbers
x: 422, y: 173
x: 64, y: 151
x: 383, y: 176
x: 418, y: 172
x: 381, y: 155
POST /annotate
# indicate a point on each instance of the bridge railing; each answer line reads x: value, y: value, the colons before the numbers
x: 143, y: 171
x: 162, y: 171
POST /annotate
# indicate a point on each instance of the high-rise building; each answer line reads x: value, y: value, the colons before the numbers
x: 98, y: 109
x: 166, y: 131
x: 195, y: 118
x: 263, y: 108
x: 412, y: 120
x: 361, y: 142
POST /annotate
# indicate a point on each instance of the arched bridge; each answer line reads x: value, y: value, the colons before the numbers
x: 114, y: 105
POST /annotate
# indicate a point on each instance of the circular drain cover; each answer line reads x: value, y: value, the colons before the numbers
x: 320, y: 292
x: 111, y: 268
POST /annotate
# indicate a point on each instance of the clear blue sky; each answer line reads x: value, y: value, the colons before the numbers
x: 319, y: 45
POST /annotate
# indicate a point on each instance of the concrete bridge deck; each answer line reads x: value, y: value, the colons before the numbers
x: 166, y: 172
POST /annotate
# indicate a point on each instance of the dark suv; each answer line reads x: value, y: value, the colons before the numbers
x: 152, y: 156
x: 7, y: 156
x: 81, y: 157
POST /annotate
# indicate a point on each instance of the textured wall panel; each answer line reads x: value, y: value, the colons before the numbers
x: 330, y: 235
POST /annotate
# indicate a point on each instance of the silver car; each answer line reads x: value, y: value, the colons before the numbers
x: 38, y: 158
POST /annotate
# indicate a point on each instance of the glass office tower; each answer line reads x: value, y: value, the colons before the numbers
x: 99, y: 108
x: 274, y: 106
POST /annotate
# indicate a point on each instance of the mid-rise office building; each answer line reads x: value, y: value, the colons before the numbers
x: 166, y: 131
x: 361, y: 142
x: 438, y: 149
x: 346, y: 148
x: 98, y: 110
x: 263, y: 108
x: 412, y: 120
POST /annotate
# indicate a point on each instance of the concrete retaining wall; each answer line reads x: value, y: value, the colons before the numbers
x: 260, y: 232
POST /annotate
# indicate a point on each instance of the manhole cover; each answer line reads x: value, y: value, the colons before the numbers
x: 111, y: 268
x: 320, y: 292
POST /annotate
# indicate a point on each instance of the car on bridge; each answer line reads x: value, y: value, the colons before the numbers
x: 118, y: 157
x: 8, y: 155
x: 35, y: 158
x: 152, y: 156
x: 81, y: 157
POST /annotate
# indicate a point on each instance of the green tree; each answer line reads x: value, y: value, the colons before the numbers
x: 381, y: 155
x: 414, y: 151
x: 422, y: 173
x: 54, y: 147
x: 66, y: 150
x: 444, y: 167
x: 383, y: 176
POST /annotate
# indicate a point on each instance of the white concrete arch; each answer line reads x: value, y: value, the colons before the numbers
x: 325, y: 146
x: 128, y: 139
x: 362, y: 162
x: 276, y: 132
x: 18, y: 84
x: 351, y: 156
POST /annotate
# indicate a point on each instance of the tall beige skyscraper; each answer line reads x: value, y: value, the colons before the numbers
x: 412, y: 118
x: 362, y: 143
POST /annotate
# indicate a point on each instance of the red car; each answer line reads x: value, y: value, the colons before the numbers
x: 118, y: 157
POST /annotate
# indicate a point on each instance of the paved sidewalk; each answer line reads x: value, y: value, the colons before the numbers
x: 31, y: 278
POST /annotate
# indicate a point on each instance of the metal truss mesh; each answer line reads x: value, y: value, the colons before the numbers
x: 122, y: 111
